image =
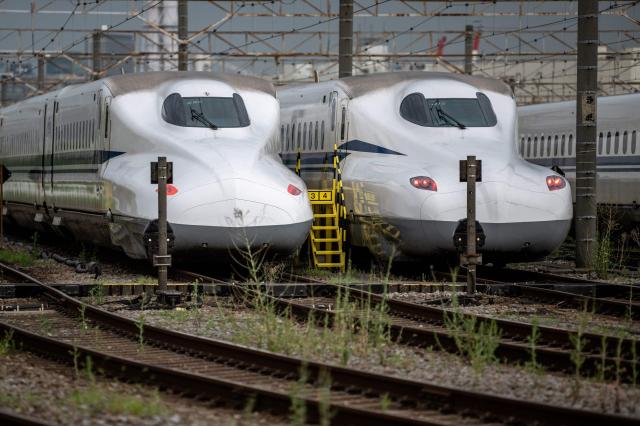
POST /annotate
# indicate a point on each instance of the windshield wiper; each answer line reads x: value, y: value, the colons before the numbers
x: 202, y: 119
x: 447, y: 117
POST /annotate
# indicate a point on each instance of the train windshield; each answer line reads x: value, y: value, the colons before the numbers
x: 448, y: 112
x: 212, y: 112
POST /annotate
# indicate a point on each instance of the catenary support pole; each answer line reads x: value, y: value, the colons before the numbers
x: 3, y: 91
x: 586, y: 131
x: 97, y: 54
x: 183, y: 34
x: 345, y: 52
x: 1, y: 206
x: 40, y: 75
x: 468, y: 49
x: 162, y: 224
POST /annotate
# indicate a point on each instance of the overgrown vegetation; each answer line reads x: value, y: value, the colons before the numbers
x: 19, y: 258
x: 99, y: 399
x: 475, y: 339
x: 96, y: 398
x: 97, y: 294
x: 7, y: 344
x: 616, y: 245
x: 356, y: 328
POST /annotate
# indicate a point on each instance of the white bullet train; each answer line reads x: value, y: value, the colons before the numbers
x: 547, y: 138
x: 400, y: 137
x: 80, y: 163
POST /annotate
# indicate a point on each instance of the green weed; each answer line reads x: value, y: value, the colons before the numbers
x: 19, y: 258
x: 98, y: 399
x: 476, y: 340
x: 7, y: 344
x: 97, y: 294
x: 532, y: 340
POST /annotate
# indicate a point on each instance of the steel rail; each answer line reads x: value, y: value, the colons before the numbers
x: 405, y: 391
x: 425, y: 326
x: 602, y: 305
x: 463, y: 402
x: 12, y: 418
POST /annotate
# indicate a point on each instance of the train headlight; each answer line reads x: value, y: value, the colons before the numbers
x: 555, y: 182
x: 294, y: 190
x: 424, y: 182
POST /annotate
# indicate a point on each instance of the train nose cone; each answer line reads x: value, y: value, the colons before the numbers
x: 243, y: 213
x: 519, y: 219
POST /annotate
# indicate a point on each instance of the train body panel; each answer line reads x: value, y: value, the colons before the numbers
x: 381, y: 151
x: 229, y: 187
x: 547, y: 137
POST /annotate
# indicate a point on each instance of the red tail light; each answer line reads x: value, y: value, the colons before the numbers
x: 171, y: 190
x: 293, y: 190
x: 424, y: 182
x: 555, y: 182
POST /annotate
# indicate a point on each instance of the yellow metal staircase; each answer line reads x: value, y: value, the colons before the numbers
x: 328, y: 236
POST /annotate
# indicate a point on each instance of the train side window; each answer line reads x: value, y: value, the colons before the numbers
x: 555, y: 147
x: 570, y: 145
x: 106, y: 122
x: 600, y: 139
x: 535, y: 146
x: 541, y: 153
x: 548, y: 147
x: 608, y: 143
x: 528, y: 147
x: 333, y: 110
x: 286, y: 138
x: 625, y: 141
x: 633, y: 142
x: 616, y: 143
x: 281, y: 142
x: 293, y: 136
x: 304, y: 137
x: 562, y: 145
x: 322, y: 135
x: 316, y: 136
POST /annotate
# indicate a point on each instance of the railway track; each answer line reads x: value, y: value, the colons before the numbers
x: 620, y: 300
x: 431, y: 326
x: 223, y: 372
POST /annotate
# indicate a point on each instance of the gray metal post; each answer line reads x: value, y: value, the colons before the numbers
x: 40, y: 72
x: 468, y: 49
x: 586, y: 131
x: 183, y: 34
x: 1, y: 206
x: 3, y: 91
x: 97, y: 54
x: 162, y: 224
x: 472, y: 168
x: 345, y: 47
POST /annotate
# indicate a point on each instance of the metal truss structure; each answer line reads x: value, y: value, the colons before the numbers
x: 529, y: 44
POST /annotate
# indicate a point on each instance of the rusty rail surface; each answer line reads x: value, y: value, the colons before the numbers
x: 176, y: 361
x: 425, y: 326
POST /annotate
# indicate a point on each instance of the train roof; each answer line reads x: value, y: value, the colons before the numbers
x: 362, y: 84
x: 122, y: 84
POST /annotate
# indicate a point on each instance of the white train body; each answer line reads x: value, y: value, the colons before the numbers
x: 80, y: 159
x: 382, y: 151
x: 547, y: 137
